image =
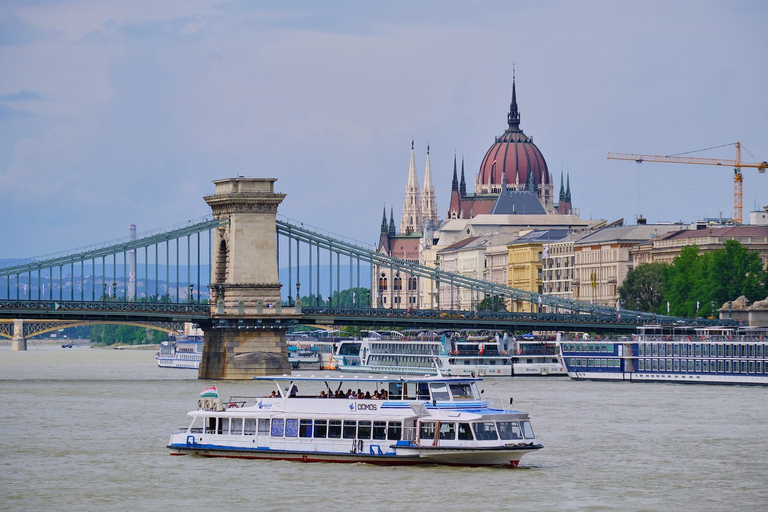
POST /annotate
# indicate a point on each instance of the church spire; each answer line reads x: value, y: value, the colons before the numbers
x: 391, y: 231
x: 568, y: 190
x: 562, y: 187
x: 463, y: 185
x: 410, y: 221
x: 513, y: 118
x: 384, y: 220
x: 455, y: 182
x: 428, y: 199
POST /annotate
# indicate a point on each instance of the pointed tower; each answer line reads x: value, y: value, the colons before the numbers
x: 391, y: 230
x: 410, y: 222
x: 384, y: 235
x: 454, y: 210
x: 428, y: 199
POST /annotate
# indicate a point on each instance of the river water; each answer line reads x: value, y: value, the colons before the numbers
x: 86, y: 429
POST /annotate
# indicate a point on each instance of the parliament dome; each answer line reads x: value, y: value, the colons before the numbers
x: 515, y: 159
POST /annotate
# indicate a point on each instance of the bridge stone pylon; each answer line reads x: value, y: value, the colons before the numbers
x: 245, y: 336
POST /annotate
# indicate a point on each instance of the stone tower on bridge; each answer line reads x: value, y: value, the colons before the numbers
x: 245, y: 335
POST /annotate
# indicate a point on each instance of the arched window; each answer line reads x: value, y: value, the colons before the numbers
x: 412, y: 283
x: 382, y: 282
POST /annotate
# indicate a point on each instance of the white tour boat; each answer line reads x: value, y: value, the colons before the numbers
x: 379, y: 420
x: 181, y: 351
x: 537, y: 356
x: 312, y: 349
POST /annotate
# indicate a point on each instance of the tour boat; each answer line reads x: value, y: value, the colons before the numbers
x: 393, y: 353
x: 181, y: 351
x: 688, y: 354
x: 382, y: 420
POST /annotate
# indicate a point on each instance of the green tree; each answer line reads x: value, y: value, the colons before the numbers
x: 492, y: 303
x: 644, y: 286
x: 680, y: 282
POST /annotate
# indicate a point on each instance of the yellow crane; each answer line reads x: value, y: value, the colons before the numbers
x: 736, y: 164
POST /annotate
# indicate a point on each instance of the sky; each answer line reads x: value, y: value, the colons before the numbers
x: 113, y: 113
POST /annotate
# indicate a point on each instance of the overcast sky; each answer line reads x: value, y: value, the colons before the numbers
x: 114, y: 113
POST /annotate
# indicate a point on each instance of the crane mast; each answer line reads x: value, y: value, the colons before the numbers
x: 736, y: 164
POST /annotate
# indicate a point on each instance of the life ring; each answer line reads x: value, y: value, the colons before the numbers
x: 455, y: 352
x: 504, y: 353
x: 232, y: 405
x: 519, y: 351
x: 667, y: 337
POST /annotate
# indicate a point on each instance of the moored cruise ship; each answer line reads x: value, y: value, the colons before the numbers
x: 393, y: 353
x: 181, y: 351
x: 680, y: 354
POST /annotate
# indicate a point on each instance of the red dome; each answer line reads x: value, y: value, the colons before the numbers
x: 515, y: 155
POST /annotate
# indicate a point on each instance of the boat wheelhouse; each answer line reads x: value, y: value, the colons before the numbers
x: 688, y: 354
x: 379, y: 420
x: 181, y: 351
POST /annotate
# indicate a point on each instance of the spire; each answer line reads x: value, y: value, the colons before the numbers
x: 513, y: 118
x: 391, y: 231
x: 562, y: 187
x: 463, y: 185
x: 384, y: 220
x: 455, y: 182
x: 568, y: 191
x: 410, y: 221
x: 428, y: 200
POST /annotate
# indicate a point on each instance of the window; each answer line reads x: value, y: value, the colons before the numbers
x: 448, y: 431
x: 334, y: 429
x: 321, y: 428
x: 305, y: 428
x: 291, y: 428
x: 427, y: 430
x: 278, y: 427
x: 485, y: 431
x: 509, y: 430
x: 394, y: 431
x: 527, y: 430
x: 439, y: 391
x: 350, y: 429
x: 364, y: 430
x: 379, y: 430
x: 465, y: 433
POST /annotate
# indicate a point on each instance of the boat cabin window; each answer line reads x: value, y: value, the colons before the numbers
x: 485, y: 431
x: 363, y: 429
x: 527, y: 430
x: 379, y: 429
x: 439, y: 391
x: 509, y: 430
x: 350, y: 429
x: 448, y: 431
x: 236, y: 426
x: 465, y: 433
x: 349, y: 349
x: 462, y: 391
x: 305, y: 428
x: 263, y: 426
x: 321, y: 428
x: 423, y: 391
x: 291, y: 428
x: 394, y: 430
x: 427, y: 430
x: 278, y: 427
x: 334, y: 429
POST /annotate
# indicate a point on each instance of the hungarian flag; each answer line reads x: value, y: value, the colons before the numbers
x: 211, y: 392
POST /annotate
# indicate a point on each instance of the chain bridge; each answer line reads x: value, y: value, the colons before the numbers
x: 234, y: 275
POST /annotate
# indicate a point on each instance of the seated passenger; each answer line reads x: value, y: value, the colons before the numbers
x: 367, y: 395
x: 375, y: 395
x: 322, y: 395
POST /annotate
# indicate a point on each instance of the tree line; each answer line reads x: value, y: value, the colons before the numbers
x: 696, y: 283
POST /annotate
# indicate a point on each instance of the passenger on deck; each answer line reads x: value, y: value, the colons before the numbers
x: 350, y: 394
x: 294, y: 390
x: 367, y: 395
x: 375, y: 395
x: 273, y: 395
x: 322, y: 395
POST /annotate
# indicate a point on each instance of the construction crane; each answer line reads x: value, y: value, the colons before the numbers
x: 736, y: 164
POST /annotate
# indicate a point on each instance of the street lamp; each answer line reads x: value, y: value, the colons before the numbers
x: 713, y: 310
x: 114, y: 291
x: 191, y: 293
x: 298, y: 286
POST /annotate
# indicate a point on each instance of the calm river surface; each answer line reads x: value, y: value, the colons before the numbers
x: 86, y: 429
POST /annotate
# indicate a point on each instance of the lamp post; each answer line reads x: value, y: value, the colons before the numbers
x: 298, y: 287
x: 114, y: 291
x: 191, y: 293
x: 713, y: 309
x: 104, y: 291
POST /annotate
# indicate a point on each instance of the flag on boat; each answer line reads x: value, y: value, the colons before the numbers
x: 211, y: 392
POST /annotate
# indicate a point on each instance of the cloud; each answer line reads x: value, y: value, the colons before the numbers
x: 24, y: 95
x: 11, y: 113
x: 14, y: 31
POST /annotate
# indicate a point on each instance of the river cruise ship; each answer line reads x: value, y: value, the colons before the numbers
x: 682, y: 354
x: 393, y: 353
x: 534, y: 356
x: 312, y: 350
x: 379, y: 420
x: 181, y: 351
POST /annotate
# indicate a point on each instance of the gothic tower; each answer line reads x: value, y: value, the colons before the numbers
x: 411, y: 220
x: 428, y: 200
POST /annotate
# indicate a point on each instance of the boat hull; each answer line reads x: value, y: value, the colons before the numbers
x: 403, y: 456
